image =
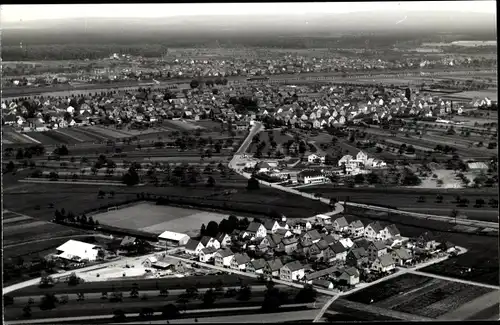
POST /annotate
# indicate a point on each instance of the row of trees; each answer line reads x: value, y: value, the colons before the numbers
x: 61, y: 216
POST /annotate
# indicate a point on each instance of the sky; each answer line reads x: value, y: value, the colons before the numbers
x: 19, y: 13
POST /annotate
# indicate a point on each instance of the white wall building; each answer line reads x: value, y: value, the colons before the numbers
x: 77, y: 250
x: 173, y: 238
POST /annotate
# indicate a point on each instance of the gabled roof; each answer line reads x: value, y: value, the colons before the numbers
x: 241, y: 258
x: 342, y: 222
x: 209, y: 250
x: 321, y: 273
x: 393, y: 230
x: 294, y: 266
x: 322, y: 244
x: 289, y: 240
x: 314, y: 234
x: 357, y: 224
x: 402, y: 253
x: 170, y: 235
x: 205, y: 240
x: 225, y: 253
x: 192, y: 244
x: 386, y: 260
x: 337, y: 247
x: 275, y: 264
x: 220, y: 236
x: 376, y: 226
x: 127, y: 240
x: 269, y: 224
x: 352, y: 271
x: 253, y: 227
x: 379, y: 245
x: 258, y: 264
x: 281, y: 231
x: 359, y: 252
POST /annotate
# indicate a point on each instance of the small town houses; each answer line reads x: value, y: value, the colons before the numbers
x: 326, y: 251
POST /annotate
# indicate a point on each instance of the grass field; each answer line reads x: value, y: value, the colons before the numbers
x: 180, y: 125
x: 156, y: 219
x: 264, y: 136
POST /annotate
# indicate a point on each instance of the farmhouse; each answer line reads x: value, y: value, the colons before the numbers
x: 171, y: 238
x: 193, y: 247
x: 310, y: 177
x: 292, y: 271
x: 222, y: 258
x: 77, y: 250
x: 390, y: 231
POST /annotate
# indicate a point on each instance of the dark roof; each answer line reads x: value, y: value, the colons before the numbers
x: 379, y: 245
x: 337, y: 247
x: 352, y: 271
x: 322, y: 283
x: 386, y: 260
x: 269, y: 224
x: 258, y: 264
x: 127, y: 240
x: 205, y: 240
x: 321, y: 273
x: 281, y: 231
x: 294, y: 266
x: 402, y: 253
x: 359, y: 252
x: 220, y: 237
x: 192, y: 244
x: 342, y: 222
x: 209, y: 250
x: 393, y: 230
x: 310, y: 173
x: 314, y: 234
x: 275, y: 264
x: 225, y: 252
x: 253, y: 227
x: 376, y: 226
x: 362, y: 242
x: 241, y: 258
x: 289, y: 240
x: 322, y: 244
x: 356, y: 224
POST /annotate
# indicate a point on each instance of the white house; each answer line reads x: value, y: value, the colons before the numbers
x: 313, y: 158
x: 223, y: 239
x: 173, y: 238
x: 346, y: 242
x: 310, y: 177
x: 323, y: 219
x: 222, y: 258
x: 384, y: 263
x: 77, y: 250
x: 193, y: 247
x: 239, y: 262
x: 356, y: 229
x: 389, y: 232
x: 255, y: 230
x: 350, y: 276
x: 207, y: 254
x: 340, y: 224
x: 373, y: 230
x: 292, y: 271
x: 208, y: 241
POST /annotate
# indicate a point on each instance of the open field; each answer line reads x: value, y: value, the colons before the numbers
x: 156, y: 219
x: 425, y: 297
x: 180, y: 125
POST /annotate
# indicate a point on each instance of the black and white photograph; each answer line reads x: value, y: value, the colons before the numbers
x: 261, y: 162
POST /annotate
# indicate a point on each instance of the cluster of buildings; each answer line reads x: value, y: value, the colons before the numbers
x: 320, y: 250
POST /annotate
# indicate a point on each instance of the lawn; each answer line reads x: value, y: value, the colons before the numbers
x: 156, y: 219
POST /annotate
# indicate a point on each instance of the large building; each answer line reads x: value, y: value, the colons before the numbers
x: 310, y: 177
x: 75, y: 250
x: 173, y: 238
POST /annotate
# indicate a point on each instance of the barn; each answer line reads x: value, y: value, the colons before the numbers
x: 171, y: 238
x: 77, y: 251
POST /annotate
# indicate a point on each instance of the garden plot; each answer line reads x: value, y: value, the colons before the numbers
x: 87, y: 133
x: 107, y: 133
x: 77, y: 135
x: 181, y: 125
x: 20, y: 138
x: 156, y: 219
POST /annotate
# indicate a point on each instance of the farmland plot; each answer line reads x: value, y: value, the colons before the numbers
x: 85, y: 132
x: 20, y: 138
x: 107, y: 133
x: 180, y: 125
x: 61, y: 138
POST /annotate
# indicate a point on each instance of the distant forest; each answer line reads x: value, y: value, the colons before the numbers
x: 48, y: 45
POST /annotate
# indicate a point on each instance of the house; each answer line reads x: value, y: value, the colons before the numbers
x: 323, y: 273
x: 350, y: 276
x: 256, y: 266
x: 427, y: 241
x: 171, y: 238
x: 401, y: 256
x: 208, y: 241
x: 289, y: 244
x: 284, y: 232
x: 449, y: 247
x: 222, y: 258
x: 293, y: 271
x: 384, y: 263
x: 77, y: 250
x: 376, y: 249
x: 339, y: 250
x: 346, y: 242
x: 273, y: 267
x: 223, y: 239
x: 357, y: 257
x: 255, y: 230
x: 149, y: 262
x: 389, y: 232
x: 239, y: 261
x: 315, y: 159
x: 340, y: 224
x: 356, y: 229
x: 373, y: 230
x: 323, y: 219
x: 193, y: 247
x: 310, y: 177
x: 128, y: 241
x: 324, y: 284
x: 207, y: 254
x: 271, y: 226
x: 312, y: 236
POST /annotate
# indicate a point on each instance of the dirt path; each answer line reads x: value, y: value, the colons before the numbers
x: 472, y: 307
